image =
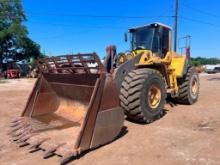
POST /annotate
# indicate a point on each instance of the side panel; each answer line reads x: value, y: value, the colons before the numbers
x: 42, y: 99
x: 178, y: 65
x: 108, y: 125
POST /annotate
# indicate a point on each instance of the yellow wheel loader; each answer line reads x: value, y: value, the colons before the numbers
x: 151, y: 71
x: 78, y: 103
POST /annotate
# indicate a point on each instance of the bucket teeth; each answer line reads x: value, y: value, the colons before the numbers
x: 17, y: 119
x: 26, y: 132
x: 19, y: 137
x: 38, y: 142
x: 34, y: 150
x: 23, y: 144
x: 17, y: 122
x: 21, y: 131
x: 15, y: 129
x: 19, y: 127
x: 50, y: 151
x: 68, y: 154
x: 17, y: 133
x: 26, y: 137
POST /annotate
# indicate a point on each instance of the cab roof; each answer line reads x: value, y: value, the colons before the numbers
x: 152, y: 25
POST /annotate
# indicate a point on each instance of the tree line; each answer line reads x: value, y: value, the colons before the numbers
x: 199, y: 61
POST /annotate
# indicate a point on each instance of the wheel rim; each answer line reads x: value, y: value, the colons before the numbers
x: 154, y: 96
x: 194, y: 86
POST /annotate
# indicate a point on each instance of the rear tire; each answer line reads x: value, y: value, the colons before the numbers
x: 188, y: 87
x: 142, y: 95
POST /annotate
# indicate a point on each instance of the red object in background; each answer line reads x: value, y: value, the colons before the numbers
x: 188, y: 53
x: 12, y: 73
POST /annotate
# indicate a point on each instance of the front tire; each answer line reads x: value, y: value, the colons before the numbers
x: 142, y: 95
x: 188, y: 87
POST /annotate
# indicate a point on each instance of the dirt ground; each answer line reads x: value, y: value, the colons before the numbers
x: 185, y: 135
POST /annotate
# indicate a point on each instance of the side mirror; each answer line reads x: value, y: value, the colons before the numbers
x: 126, y: 37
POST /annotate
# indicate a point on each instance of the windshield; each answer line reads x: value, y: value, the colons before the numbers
x: 142, y: 38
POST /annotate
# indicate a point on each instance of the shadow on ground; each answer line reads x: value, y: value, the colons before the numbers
x: 214, y: 79
x: 161, y: 115
x: 123, y: 132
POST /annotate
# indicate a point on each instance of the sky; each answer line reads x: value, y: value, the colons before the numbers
x: 72, y: 26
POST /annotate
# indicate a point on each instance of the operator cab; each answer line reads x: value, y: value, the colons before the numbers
x: 155, y: 37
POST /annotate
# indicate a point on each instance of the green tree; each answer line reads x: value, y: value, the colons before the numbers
x: 195, y: 63
x: 13, y: 34
x: 28, y: 49
x: 11, y: 29
x: 198, y: 61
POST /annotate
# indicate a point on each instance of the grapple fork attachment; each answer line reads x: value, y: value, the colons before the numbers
x: 73, y: 107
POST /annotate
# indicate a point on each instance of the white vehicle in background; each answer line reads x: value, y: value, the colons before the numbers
x: 212, y: 69
x: 217, y: 69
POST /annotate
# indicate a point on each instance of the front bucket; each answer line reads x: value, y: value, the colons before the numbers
x: 70, y: 112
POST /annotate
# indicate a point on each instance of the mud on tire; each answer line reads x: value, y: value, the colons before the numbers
x: 134, y: 95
